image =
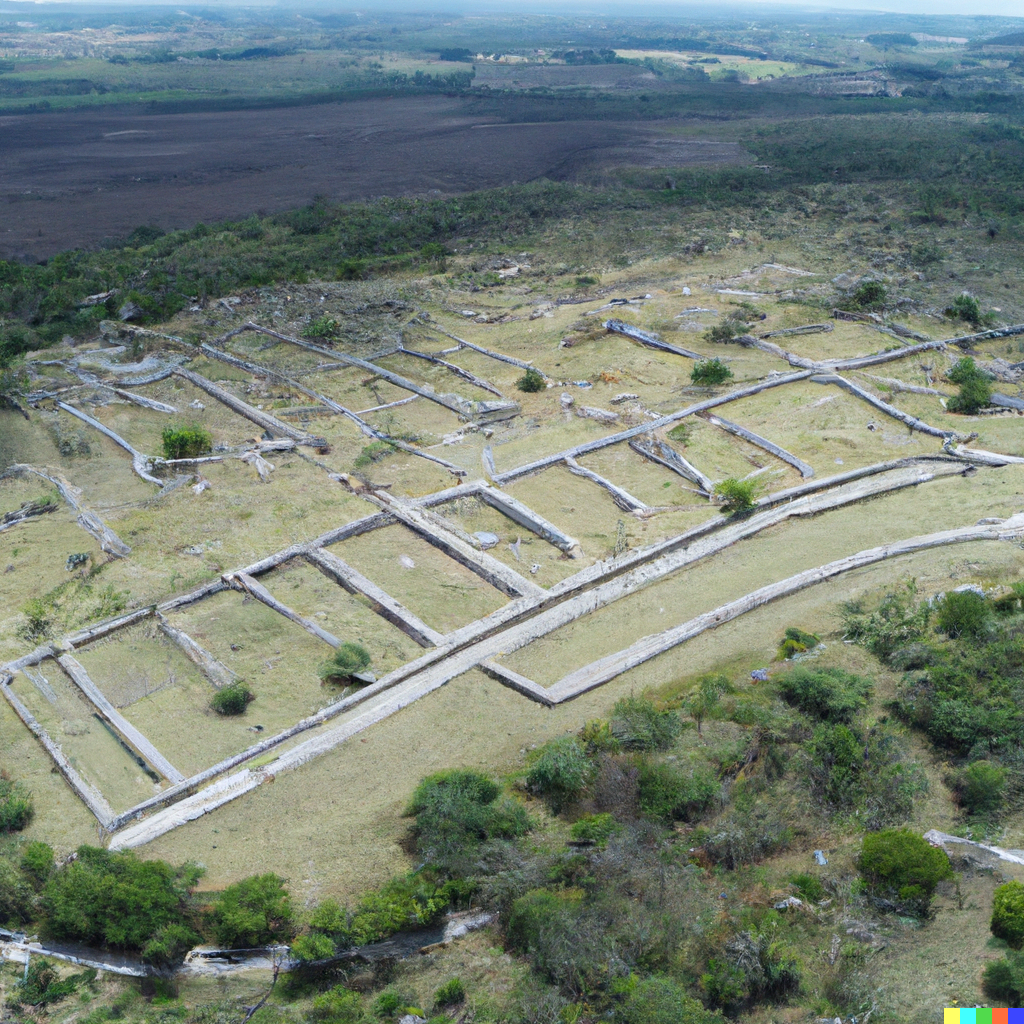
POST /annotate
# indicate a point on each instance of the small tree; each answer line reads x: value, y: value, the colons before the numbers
x: 253, y: 912
x: 1008, y: 914
x: 965, y: 307
x: 531, y: 381
x: 870, y: 295
x: 703, y: 702
x: 346, y: 661
x: 186, y: 442
x: 975, y: 388
x: 232, y: 699
x: 709, y: 372
x: 738, y: 496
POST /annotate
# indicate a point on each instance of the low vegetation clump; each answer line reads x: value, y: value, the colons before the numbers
x: 1008, y: 914
x: 963, y: 615
x: 16, y: 807
x: 451, y: 993
x: 738, y: 497
x: 321, y: 327
x: 532, y: 381
x: 979, y: 788
x: 637, y: 724
x: 375, y: 451
x: 796, y: 641
x: 899, y: 621
x: 232, y: 699
x: 870, y: 295
x: 595, y: 828
x: 967, y: 308
x: 348, y: 660
x: 828, y: 694
x: 186, y: 442
x: 975, y: 388
x: 560, y: 771
x: 709, y: 372
x: 1004, y: 979
x: 672, y: 793
x: 253, y: 912
x: 902, y: 869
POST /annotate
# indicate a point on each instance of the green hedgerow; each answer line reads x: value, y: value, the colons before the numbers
x: 346, y: 661
x: 531, y: 381
x: 16, y: 809
x: 708, y: 372
x: 186, y: 442
x: 1008, y: 914
x: 232, y: 699
x: 560, y: 771
x: 903, y: 867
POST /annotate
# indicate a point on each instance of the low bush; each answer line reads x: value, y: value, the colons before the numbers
x: 963, y: 614
x: 451, y: 993
x: 42, y: 985
x: 808, y: 886
x: 728, y: 330
x: 903, y: 869
x: 167, y: 948
x: 346, y: 661
x: 531, y: 381
x: 672, y: 793
x: 17, y: 898
x: 16, y: 810
x: 829, y: 694
x: 339, y: 1005
x: 1008, y: 914
x: 837, y: 762
x: 458, y: 810
x: 796, y: 641
x: 754, y: 967
x: 1003, y: 980
x: 560, y: 771
x: 738, y: 497
x: 312, y: 947
x: 637, y: 724
x: 965, y: 307
x: 37, y: 862
x: 388, y: 1004
x: 595, y: 828
x: 899, y: 621
x: 253, y: 912
x: 321, y: 327
x: 708, y: 372
x: 975, y: 388
x: 869, y: 295
x: 375, y: 451
x: 107, y: 898
x: 704, y: 701
x: 186, y: 442
x: 233, y: 699
x: 661, y: 1000
x: 979, y: 787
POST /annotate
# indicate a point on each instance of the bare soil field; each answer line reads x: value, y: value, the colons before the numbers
x: 75, y: 179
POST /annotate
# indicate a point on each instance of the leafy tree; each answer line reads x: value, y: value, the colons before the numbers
x: 346, y: 661
x: 638, y: 725
x: 560, y: 771
x: 1008, y: 914
x: 738, y: 496
x: 16, y: 809
x: 901, y: 866
x: 253, y: 912
x: 708, y: 372
x: 531, y: 381
x: 186, y: 442
x: 232, y: 699
x: 456, y: 811
x: 107, y: 898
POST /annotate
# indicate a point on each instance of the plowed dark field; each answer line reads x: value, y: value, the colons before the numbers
x: 75, y: 179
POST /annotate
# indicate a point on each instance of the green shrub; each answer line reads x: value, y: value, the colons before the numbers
x: 902, y: 867
x: 1008, y: 914
x: 594, y: 828
x: 312, y: 947
x: 388, y: 1004
x: 16, y: 809
x: 738, y: 497
x: 531, y: 381
x: 406, y: 902
x: 963, y: 614
x: 587, y: 280
x: 869, y: 295
x: 1003, y: 980
x: 346, y: 661
x: 676, y: 794
x: 253, y: 912
x: 975, y: 388
x: 167, y: 948
x: 979, y: 788
x: 375, y: 451
x: 37, y: 862
x: 826, y: 693
x: 754, y: 967
x: 42, y: 985
x: 637, y: 724
x: 708, y: 372
x: 321, y: 327
x: 107, y: 898
x: 704, y: 700
x: 456, y: 811
x: 837, y: 759
x: 233, y: 699
x: 451, y: 993
x: 808, y: 886
x: 660, y: 1000
x: 537, y: 912
x: 965, y: 307
x: 560, y: 771
x: 720, y: 334
x: 899, y: 621
x: 796, y: 641
x: 17, y: 900
x: 337, y: 1006
x: 186, y: 442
